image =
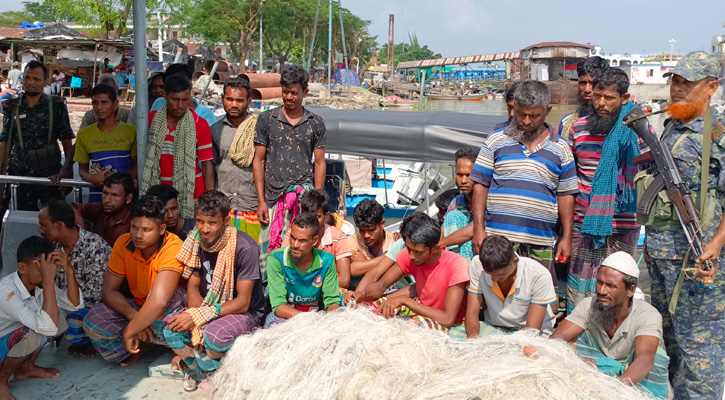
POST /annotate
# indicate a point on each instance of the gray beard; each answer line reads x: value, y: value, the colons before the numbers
x: 601, y: 315
x: 602, y: 125
x: 522, y: 136
x: 296, y: 260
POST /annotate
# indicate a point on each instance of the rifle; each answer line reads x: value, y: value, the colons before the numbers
x: 667, y: 177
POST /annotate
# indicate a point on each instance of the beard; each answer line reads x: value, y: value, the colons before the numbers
x: 523, y: 136
x: 586, y: 109
x: 601, y: 315
x: 598, y: 125
x: 687, y: 111
x: 32, y: 94
x: 296, y: 260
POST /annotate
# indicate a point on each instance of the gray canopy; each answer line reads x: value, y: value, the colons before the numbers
x: 411, y: 136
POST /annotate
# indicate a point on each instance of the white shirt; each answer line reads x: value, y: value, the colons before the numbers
x: 532, y: 285
x: 19, y: 308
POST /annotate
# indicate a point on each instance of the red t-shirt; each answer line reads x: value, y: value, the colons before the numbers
x: 204, y: 152
x: 432, y: 281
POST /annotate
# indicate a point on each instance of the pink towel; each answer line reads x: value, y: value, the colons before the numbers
x: 287, y: 202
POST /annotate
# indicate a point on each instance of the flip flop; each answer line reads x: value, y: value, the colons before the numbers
x: 190, y: 384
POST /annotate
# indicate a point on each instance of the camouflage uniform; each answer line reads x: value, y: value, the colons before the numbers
x: 695, y: 334
x: 34, y: 125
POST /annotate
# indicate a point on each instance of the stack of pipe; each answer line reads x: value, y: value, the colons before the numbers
x: 264, y: 86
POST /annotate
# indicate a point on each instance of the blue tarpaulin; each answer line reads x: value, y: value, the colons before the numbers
x: 344, y: 76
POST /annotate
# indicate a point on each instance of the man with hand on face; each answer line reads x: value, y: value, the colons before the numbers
x: 32, y: 125
x: 289, y: 159
x: 458, y: 221
x: 621, y: 335
x: 586, y: 71
x: 122, y: 329
x: 86, y: 254
x: 179, y: 151
x: 301, y: 277
x: 695, y: 333
x: 525, y: 177
x: 106, y: 147
x: 233, y: 139
x: 225, y: 293
x: 605, y: 219
x: 30, y: 312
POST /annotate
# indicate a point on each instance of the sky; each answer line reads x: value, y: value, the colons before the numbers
x: 470, y: 27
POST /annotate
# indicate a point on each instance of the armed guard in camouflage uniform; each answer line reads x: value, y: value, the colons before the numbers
x: 33, y: 123
x: 695, y: 333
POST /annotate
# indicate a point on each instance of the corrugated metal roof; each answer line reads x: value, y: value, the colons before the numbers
x: 558, y: 44
x: 458, y: 60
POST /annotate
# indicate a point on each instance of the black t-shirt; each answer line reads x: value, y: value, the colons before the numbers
x: 246, y: 268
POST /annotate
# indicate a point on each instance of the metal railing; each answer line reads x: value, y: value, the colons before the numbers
x: 16, y: 181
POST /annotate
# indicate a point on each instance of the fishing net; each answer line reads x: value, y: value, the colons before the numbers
x: 354, y: 354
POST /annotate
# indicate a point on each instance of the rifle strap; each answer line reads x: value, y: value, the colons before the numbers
x: 704, y: 184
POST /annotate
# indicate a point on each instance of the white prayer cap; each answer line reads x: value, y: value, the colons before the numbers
x: 622, y: 262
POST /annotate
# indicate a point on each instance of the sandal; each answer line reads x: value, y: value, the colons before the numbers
x: 190, y: 384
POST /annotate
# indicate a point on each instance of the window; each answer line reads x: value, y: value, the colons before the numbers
x: 174, y: 34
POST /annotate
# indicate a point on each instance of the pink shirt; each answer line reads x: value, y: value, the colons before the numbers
x: 432, y: 281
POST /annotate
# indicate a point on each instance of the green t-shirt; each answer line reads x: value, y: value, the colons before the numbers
x: 303, y: 290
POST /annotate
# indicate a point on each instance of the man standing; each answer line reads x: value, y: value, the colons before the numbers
x: 621, y: 335
x: 509, y: 106
x: 604, y: 211
x: 106, y: 147
x: 168, y: 196
x: 156, y: 91
x: 30, y: 313
x: 225, y: 293
x: 32, y: 126
x: 586, y: 71
x: 525, y: 177
x: 301, y: 277
x: 694, y: 332
x: 179, y: 142
x: 14, y: 77
x: 200, y: 110
x: 370, y: 245
x: 286, y: 142
x: 121, y: 113
x: 87, y: 254
x: 233, y: 140
x: 111, y: 217
x: 458, y: 221
x: 121, y: 328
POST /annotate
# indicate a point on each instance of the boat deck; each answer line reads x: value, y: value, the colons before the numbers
x: 93, y: 378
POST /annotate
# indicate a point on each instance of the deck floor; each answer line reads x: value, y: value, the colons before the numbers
x: 94, y: 379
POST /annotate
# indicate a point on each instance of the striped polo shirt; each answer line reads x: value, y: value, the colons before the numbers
x: 587, y: 150
x: 532, y: 286
x: 523, y: 186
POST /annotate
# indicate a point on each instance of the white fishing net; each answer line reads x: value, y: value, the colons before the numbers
x: 354, y: 354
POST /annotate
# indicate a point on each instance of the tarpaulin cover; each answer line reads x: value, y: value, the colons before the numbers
x: 412, y: 136
x: 346, y: 77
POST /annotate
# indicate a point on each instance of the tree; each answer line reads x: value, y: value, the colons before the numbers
x: 112, y: 15
x: 44, y: 12
x: 13, y: 18
x: 222, y: 21
x: 410, y: 51
x: 286, y: 24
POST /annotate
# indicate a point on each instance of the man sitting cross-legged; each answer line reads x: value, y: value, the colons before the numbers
x: 622, y: 336
x: 29, y: 312
x: 119, y: 327
x: 225, y: 293
x: 331, y: 239
x: 515, y: 292
x: 300, y: 277
x: 436, y: 300
x: 371, y: 243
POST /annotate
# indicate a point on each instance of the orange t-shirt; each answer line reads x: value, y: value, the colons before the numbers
x: 128, y: 262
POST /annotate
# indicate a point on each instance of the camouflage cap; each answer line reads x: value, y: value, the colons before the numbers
x: 696, y: 66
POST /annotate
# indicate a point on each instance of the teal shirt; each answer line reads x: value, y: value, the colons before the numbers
x: 303, y: 290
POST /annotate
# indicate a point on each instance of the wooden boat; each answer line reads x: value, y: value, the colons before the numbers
x: 395, y: 101
x: 458, y: 97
